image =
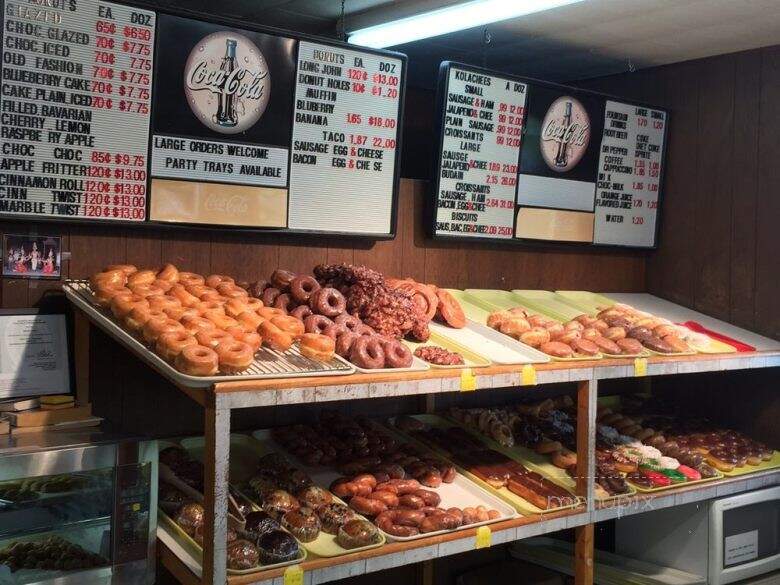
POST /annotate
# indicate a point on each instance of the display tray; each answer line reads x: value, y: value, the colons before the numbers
x: 197, y: 551
x: 645, y: 490
x: 244, y: 454
x: 268, y: 363
x: 418, y: 365
x: 534, y: 461
x: 747, y: 469
x: 520, y: 504
x: 547, y: 303
x: 478, y: 337
x: 461, y: 493
x: 499, y: 300
x: 589, y: 302
x: 471, y: 359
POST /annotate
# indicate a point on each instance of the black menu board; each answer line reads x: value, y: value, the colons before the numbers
x: 111, y: 112
x: 524, y: 160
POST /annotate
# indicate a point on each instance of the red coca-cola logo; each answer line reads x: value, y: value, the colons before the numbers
x: 227, y: 82
x: 565, y: 134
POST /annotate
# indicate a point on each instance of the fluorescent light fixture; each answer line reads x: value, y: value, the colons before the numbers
x: 449, y: 19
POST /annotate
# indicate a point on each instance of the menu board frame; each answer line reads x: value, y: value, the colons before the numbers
x: 441, y: 107
x: 147, y: 223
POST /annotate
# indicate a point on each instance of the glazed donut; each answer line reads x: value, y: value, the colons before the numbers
x: 176, y: 313
x: 146, y: 290
x: 350, y: 322
x: 607, y: 345
x: 317, y: 347
x: 367, y: 506
x: 196, y: 360
x: 301, y: 312
x: 555, y: 330
x: 104, y: 294
x: 160, y: 303
x: 252, y: 339
x: 185, y: 297
x: 112, y: 278
x: 629, y: 346
x: 137, y: 318
x: 316, y: 323
x: 344, y: 343
x: 250, y: 321
x: 514, y: 326
x: 211, y: 337
x: 557, y: 349
x: 367, y: 353
x: 256, y: 288
x: 614, y: 333
x: 397, y: 355
x: 253, y: 304
x: 585, y: 347
x: 302, y: 287
x: 233, y: 356
x: 535, y: 336
x: 274, y: 337
x: 211, y: 295
x: 569, y: 336
x: 269, y: 296
x: 215, y: 280
x: 171, y: 344
x: 195, y: 324
x: 590, y: 333
x: 333, y: 331
x: 232, y: 291
x: 389, y: 498
x: 164, y: 285
x: 401, y: 523
x: 153, y: 328
x: 285, y: 302
x: 128, y: 269
x: 289, y: 325
x: 188, y: 278
x: 168, y: 272
x: 234, y: 307
x: 142, y: 277
x: 198, y: 290
x: 281, y: 279
x: 205, y: 306
x: 364, y: 329
x: 328, y: 301
x: 122, y: 304
x: 219, y: 319
x: 269, y: 312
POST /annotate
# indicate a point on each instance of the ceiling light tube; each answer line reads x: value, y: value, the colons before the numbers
x: 449, y: 19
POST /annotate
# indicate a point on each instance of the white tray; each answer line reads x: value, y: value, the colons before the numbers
x: 461, y: 493
x: 268, y: 363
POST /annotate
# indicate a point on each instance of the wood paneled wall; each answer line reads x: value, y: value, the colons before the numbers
x: 252, y: 256
x: 719, y: 243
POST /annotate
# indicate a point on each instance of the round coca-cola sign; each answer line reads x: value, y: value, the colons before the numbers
x: 227, y: 82
x: 565, y: 134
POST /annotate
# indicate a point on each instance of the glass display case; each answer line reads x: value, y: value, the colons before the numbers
x: 77, y: 508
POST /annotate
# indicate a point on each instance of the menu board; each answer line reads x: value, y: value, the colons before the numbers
x: 629, y: 175
x: 547, y: 163
x: 481, y: 133
x: 73, y: 74
x: 344, y: 141
x: 116, y: 113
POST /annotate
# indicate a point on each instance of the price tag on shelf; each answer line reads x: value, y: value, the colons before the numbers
x: 468, y: 381
x: 528, y: 375
x: 484, y: 537
x: 293, y: 575
x: 640, y: 367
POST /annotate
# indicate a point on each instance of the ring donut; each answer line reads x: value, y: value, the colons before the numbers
x: 316, y: 323
x: 302, y: 287
x: 328, y: 301
x: 196, y: 360
x: 367, y: 353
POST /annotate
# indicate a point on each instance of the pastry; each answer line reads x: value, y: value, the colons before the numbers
x: 302, y: 523
x: 357, y: 533
x: 317, y: 347
x: 277, y: 546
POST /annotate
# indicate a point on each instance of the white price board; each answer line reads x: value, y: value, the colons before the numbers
x: 482, y: 129
x: 76, y: 78
x: 344, y: 140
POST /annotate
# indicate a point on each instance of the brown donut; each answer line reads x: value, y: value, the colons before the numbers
x: 557, y: 349
x: 606, y: 345
x: 301, y: 312
x: 629, y: 346
x: 316, y: 323
x: 269, y: 296
x: 302, y: 287
x: 285, y: 302
x: 350, y: 322
x: 364, y: 329
x: 333, y: 330
x: 344, y: 343
x: 281, y: 279
x: 256, y: 288
x: 367, y: 353
x: 584, y: 347
x: 397, y: 355
x: 328, y: 301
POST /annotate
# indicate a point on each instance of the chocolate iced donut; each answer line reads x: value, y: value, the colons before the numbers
x: 256, y: 288
x: 285, y: 302
x: 302, y: 287
x: 366, y: 352
x: 301, y: 312
x: 316, y: 323
x: 281, y: 279
x: 269, y: 296
x: 328, y: 301
x: 344, y: 343
x: 364, y: 329
x: 349, y: 322
x: 397, y: 355
x: 333, y: 331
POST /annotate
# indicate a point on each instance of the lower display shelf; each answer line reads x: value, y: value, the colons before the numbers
x: 322, y: 570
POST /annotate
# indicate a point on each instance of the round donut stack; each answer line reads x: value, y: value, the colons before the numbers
x: 201, y: 325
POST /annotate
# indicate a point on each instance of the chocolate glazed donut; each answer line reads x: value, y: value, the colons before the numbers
x: 301, y: 312
x: 269, y: 296
x: 285, y: 302
x: 366, y: 352
x: 344, y: 343
x: 281, y: 279
x: 302, y: 287
x: 328, y: 301
x: 397, y: 355
x: 350, y: 322
x: 316, y: 323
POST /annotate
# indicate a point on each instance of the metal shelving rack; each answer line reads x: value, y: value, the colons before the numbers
x: 221, y: 398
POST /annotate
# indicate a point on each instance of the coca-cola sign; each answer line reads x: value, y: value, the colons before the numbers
x: 227, y: 82
x: 565, y: 134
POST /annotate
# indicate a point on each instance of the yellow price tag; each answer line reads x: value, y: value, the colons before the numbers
x: 529, y: 375
x: 640, y: 367
x: 293, y: 575
x: 483, y: 537
x: 468, y: 381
